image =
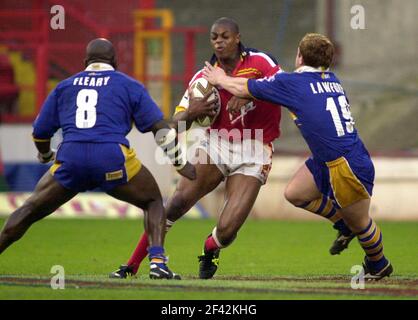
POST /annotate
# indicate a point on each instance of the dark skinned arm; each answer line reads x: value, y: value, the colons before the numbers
x: 45, y: 154
x: 160, y: 130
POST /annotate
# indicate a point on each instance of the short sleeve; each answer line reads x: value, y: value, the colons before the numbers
x: 272, y: 89
x: 47, y: 122
x: 145, y: 111
x: 184, y: 103
x: 263, y: 62
x: 272, y: 71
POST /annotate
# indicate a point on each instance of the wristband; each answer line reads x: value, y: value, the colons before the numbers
x: 47, y: 155
x: 167, y: 140
x: 180, y: 166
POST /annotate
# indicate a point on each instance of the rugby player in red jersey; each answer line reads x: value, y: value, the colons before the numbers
x: 242, y: 156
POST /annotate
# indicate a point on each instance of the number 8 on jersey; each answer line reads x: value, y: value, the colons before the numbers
x: 86, y: 108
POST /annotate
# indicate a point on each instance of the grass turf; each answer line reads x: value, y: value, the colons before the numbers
x: 268, y: 260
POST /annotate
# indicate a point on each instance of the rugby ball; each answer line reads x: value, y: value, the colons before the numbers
x: 200, y: 87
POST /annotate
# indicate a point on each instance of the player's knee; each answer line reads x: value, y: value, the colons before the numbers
x: 154, y: 200
x: 147, y: 201
x: 178, y: 205
x: 293, y: 197
x: 178, y: 202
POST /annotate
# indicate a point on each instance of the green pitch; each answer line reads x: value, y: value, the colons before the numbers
x: 269, y: 260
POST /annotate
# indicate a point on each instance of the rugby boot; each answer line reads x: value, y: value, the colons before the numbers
x: 208, y: 263
x: 122, y: 273
x: 371, y: 274
x: 161, y: 271
x: 341, y: 243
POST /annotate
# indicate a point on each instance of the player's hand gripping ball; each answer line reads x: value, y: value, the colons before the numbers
x: 201, y: 87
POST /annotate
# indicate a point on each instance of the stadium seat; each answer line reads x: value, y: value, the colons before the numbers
x: 9, y: 91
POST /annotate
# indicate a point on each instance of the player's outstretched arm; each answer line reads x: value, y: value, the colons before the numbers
x: 217, y: 76
x: 166, y: 138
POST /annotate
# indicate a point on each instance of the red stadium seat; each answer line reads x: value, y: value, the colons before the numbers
x: 9, y: 91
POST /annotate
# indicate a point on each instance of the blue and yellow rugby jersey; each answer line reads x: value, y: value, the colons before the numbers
x: 96, y: 105
x: 319, y: 107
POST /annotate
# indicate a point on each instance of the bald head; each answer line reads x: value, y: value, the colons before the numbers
x: 100, y: 50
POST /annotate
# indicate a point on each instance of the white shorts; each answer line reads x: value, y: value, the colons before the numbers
x: 247, y: 157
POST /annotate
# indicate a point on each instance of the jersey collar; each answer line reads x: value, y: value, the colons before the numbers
x: 310, y: 69
x: 99, y: 66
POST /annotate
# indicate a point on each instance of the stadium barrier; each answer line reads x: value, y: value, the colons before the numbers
x: 394, y: 198
x: 394, y: 195
x: 88, y: 205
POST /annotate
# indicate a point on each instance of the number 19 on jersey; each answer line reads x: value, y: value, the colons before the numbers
x: 346, y: 113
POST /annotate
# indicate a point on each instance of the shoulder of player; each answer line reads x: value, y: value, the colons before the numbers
x: 333, y: 76
x: 279, y: 75
x: 127, y: 80
x: 67, y: 82
x: 124, y: 77
x: 288, y: 81
x: 316, y: 76
x: 260, y: 57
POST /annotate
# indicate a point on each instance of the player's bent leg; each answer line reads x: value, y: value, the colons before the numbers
x: 241, y: 193
x: 302, y: 188
x: 47, y: 197
x: 186, y: 195
x: 142, y: 191
x: 375, y: 265
x: 356, y: 215
x: 303, y: 192
x: 189, y: 192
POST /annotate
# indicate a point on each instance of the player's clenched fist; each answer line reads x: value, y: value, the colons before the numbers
x: 235, y: 104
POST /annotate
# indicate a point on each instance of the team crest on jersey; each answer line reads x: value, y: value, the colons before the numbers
x: 244, y: 110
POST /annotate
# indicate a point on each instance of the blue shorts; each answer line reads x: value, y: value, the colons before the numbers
x: 81, y: 166
x: 345, y: 180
